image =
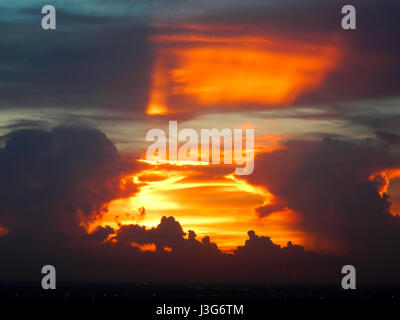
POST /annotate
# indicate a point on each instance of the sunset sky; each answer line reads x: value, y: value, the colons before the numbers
x: 76, y: 104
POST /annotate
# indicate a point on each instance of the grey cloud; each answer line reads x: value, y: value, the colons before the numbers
x: 49, y: 178
x: 328, y: 183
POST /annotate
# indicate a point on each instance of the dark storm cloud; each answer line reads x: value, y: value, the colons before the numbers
x: 48, y: 179
x: 329, y: 183
x: 287, y: 264
x: 89, y: 61
x: 168, y: 233
x: 88, y: 258
x: 259, y: 259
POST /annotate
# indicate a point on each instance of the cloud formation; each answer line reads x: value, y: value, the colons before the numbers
x: 329, y: 182
x: 85, y: 63
x: 103, y: 58
x: 52, y: 181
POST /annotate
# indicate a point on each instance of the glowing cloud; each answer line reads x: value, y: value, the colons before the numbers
x: 213, y: 71
x: 218, y: 205
x: 383, y: 179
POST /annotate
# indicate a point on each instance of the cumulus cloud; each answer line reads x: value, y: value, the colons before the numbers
x: 168, y: 234
x: 51, y: 181
x: 329, y: 183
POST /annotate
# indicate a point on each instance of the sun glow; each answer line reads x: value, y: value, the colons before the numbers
x: 156, y: 109
x: 3, y: 231
x: 221, y: 206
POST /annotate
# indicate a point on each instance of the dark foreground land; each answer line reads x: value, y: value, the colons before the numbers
x: 141, y: 300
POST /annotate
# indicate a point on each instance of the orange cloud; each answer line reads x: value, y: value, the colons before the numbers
x: 203, y: 197
x: 203, y: 70
x: 150, y: 247
x: 204, y: 200
x: 383, y: 180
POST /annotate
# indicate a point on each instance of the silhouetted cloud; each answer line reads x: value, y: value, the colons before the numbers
x: 329, y: 183
x: 89, y: 258
x: 52, y: 180
x: 168, y: 234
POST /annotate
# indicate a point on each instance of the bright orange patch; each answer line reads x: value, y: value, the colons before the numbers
x: 208, y: 71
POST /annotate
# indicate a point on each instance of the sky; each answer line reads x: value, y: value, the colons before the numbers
x: 76, y: 104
